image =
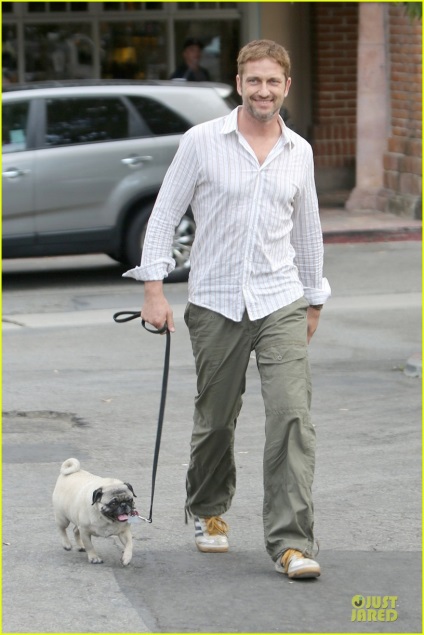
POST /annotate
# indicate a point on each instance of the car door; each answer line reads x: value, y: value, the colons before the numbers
x: 18, y: 226
x: 94, y: 158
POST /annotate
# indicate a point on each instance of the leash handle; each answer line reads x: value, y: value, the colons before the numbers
x: 127, y: 316
x: 133, y: 315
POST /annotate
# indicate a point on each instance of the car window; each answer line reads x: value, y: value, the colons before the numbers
x: 89, y: 120
x: 160, y: 119
x: 14, y: 126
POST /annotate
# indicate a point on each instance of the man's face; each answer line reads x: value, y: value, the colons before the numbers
x: 263, y: 87
x: 192, y: 55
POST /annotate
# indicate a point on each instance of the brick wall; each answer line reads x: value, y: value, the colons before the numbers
x: 334, y: 67
x: 403, y: 159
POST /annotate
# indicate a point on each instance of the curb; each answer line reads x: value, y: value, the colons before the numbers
x: 371, y: 235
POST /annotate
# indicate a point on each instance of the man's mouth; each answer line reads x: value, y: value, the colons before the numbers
x: 263, y: 101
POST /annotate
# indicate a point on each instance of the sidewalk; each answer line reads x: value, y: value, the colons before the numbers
x: 340, y: 225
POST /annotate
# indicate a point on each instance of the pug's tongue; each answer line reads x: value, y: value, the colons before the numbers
x: 122, y: 517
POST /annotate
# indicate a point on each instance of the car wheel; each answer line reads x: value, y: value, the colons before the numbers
x: 181, y: 245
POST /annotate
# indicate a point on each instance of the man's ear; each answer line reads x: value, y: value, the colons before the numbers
x: 288, y: 84
x: 238, y: 80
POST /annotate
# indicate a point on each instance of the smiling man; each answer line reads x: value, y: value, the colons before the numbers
x: 263, y: 84
x: 256, y: 283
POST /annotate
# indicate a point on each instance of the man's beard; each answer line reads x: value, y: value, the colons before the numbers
x: 260, y: 116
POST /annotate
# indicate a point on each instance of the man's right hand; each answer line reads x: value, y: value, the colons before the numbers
x: 156, y: 310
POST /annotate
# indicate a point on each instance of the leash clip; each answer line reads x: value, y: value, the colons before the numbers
x: 136, y: 518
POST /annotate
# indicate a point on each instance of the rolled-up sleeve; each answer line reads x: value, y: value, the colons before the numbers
x: 171, y: 204
x: 306, y: 238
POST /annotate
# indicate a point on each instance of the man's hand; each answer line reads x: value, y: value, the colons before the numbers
x: 156, y: 310
x: 312, y: 316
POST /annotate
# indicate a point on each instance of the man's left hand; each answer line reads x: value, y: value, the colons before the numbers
x: 312, y: 316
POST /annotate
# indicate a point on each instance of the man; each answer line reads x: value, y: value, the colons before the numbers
x: 191, y: 70
x: 255, y: 284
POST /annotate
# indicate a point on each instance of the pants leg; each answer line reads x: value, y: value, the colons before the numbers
x: 289, y: 454
x: 221, y: 349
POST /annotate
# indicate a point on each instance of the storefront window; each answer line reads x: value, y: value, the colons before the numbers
x: 36, y: 7
x: 189, y: 6
x: 9, y: 54
x: 117, y: 40
x: 111, y: 6
x: 42, y: 7
x: 221, y: 43
x: 59, y: 7
x: 132, y: 6
x: 133, y: 50
x: 58, y: 51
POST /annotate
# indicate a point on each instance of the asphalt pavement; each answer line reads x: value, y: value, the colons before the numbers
x: 77, y: 384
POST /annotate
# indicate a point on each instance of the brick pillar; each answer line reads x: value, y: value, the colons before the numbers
x: 403, y: 159
x: 372, y: 108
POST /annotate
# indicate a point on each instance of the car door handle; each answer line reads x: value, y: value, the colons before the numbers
x: 136, y: 160
x: 13, y: 173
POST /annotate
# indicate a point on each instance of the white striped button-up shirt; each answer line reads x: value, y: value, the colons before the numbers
x: 258, y: 243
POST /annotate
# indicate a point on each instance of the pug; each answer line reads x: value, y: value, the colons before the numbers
x: 96, y: 506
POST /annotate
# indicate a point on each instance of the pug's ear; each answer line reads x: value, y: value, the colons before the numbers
x: 97, y: 495
x: 131, y: 489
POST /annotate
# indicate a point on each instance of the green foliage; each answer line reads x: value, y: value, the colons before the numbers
x: 414, y: 9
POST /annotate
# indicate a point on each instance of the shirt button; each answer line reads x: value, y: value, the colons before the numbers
x: 279, y: 358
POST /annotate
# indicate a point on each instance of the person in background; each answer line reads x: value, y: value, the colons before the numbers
x: 191, y: 70
x: 256, y: 284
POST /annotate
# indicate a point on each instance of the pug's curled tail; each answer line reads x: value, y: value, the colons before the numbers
x: 70, y: 466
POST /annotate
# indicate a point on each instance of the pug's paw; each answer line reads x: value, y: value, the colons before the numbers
x: 125, y: 560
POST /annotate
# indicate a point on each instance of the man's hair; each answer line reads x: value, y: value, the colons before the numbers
x: 258, y: 49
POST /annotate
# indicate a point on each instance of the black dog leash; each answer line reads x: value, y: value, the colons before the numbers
x: 127, y: 316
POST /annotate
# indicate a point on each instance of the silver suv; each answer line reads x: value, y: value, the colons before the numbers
x: 83, y: 163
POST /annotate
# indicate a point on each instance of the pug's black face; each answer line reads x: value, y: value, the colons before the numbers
x: 115, y: 504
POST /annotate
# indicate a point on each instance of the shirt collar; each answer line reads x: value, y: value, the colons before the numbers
x: 231, y: 125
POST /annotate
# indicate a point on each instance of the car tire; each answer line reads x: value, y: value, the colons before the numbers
x: 183, y: 240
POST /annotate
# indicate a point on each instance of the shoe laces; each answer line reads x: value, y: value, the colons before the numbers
x: 216, y: 525
x: 288, y: 555
x: 295, y: 553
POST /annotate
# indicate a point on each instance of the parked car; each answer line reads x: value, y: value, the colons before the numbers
x: 83, y: 163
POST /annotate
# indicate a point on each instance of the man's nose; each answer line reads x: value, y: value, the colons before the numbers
x: 264, y: 89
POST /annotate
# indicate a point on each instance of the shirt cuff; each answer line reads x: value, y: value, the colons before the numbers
x: 157, y: 271
x: 318, y: 296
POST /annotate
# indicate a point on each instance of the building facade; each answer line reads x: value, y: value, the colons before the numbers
x: 356, y: 93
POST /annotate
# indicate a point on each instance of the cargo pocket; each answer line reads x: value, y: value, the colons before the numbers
x: 285, y: 377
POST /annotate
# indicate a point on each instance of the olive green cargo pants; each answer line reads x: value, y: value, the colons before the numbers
x: 222, y: 349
